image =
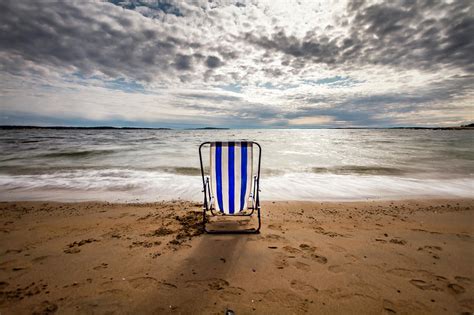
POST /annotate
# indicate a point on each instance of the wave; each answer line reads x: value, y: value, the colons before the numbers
x: 122, y: 185
x: 76, y: 154
x: 196, y: 171
x: 181, y: 170
x: 47, y: 169
x: 177, y: 170
x: 359, y: 169
x: 355, y: 187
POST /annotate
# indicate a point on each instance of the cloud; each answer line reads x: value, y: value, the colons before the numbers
x: 213, y: 62
x: 315, y: 120
x: 150, y: 8
x: 92, y: 39
x: 183, y: 62
x: 242, y: 64
x: 420, y: 34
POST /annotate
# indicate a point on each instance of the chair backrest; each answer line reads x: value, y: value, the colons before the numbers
x: 231, y: 175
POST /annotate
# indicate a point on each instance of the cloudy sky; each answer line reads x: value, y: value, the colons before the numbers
x: 240, y: 64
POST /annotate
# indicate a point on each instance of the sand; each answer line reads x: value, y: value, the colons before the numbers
x: 403, y: 257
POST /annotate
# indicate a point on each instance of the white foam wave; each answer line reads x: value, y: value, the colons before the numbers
x: 110, y: 185
x: 136, y: 185
x: 353, y: 187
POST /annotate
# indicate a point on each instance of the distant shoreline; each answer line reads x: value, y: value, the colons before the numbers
x: 8, y: 127
x: 13, y: 127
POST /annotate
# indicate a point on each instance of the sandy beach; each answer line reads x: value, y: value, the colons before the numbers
x: 373, y: 257
x: 350, y: 123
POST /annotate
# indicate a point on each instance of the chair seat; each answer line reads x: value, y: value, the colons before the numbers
x: 231, y: 175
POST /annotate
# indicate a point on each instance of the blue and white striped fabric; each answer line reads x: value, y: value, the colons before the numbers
x: 231, y: 175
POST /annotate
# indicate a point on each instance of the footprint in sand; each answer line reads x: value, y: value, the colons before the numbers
x: 230, y: 294
x: 301, y: 266
x: 398, y: 241
x: 432, y: 250
x: 39, y: 259
x: 463, y: 236
x: 463, y: 280
x: 422, y: 279
x: 456, y: 288
x: 14, y: 265
x: 337, y: 249
x: 5, y: 230
x: 73, y: 248
x: 276, y: 227
x: 407, y: 273
x: 291, y: 250
x: 21, y: 292
x: 273, y: 237
x: 320, y: 259
x: 169, y: 285
x: 351, y: 257
x: 112, y: 234
x: 221, y: 288
x: 218, y: 284
x: 162, y: 231
x: 281, y: 262
x: 143, y: 283
x: 145, y: 244
x: 303, y: 287
x: 321, y: 230
x: 434, y: 282
x: 212, y: 284
x: 388, y: 307
x: 311, y: 249
x: 336, y: 268
x: 138, y: 283
x: 425, y: 231
x: 423, y: 285
x: 307, y: 247
x: 46, y: 307
x: 101, y: 266
x: 82, y: 242
x: 388, y: 311
x: 13, y: 251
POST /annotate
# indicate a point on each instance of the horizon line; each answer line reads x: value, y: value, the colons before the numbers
x: 4, y: 127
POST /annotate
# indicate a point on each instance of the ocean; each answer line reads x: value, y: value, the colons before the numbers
x: 297, y: 164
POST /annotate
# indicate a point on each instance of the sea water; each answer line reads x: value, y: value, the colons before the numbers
x: 297, y: 164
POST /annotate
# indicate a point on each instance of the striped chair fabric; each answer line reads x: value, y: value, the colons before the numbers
x: 231, y: 175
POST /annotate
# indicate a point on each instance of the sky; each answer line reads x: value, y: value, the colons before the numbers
x: 237, y: 64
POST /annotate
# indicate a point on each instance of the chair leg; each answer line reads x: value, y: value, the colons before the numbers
x: 248, y: 231
x: 204, y: 219
x: 259, y: 220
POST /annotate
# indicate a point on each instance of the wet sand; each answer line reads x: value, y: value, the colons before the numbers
x: 369, y: 257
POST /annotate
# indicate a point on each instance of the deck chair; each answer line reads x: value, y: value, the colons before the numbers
x: 231, y: 189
